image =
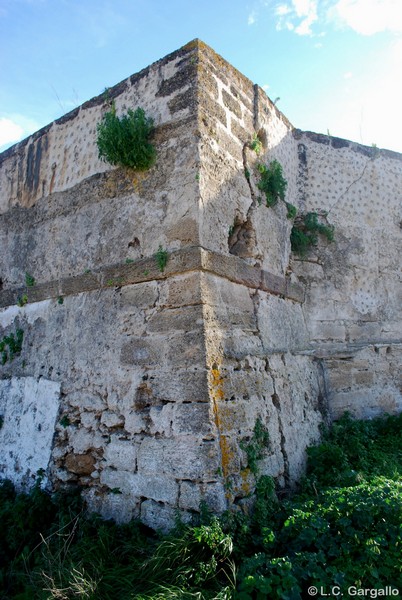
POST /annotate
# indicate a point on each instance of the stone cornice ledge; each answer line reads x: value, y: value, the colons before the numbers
x: 187, y: 259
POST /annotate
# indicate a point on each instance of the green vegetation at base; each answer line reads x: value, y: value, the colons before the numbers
x: 342, y: 528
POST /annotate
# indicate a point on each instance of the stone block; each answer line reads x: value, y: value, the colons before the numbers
x: 328, y: 331
x: 138, y: 485
x: 175, y: 351
x: 186, y: 457
x: 80, y: 464
x: 182, y: 290
x: 232, y: 104
x: 139, y: 295
x: 178, y: 385
x: 82, y: 439
x: 172, y: 320
x: 160, y: 516
x: 213, y: 494
x: 120, y: 454
x: 111, y: 419
x: 122, y: 508
x: 192, y: 418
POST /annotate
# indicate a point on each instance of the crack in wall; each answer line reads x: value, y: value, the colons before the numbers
x: 370, y: 160
x: 277, y: 404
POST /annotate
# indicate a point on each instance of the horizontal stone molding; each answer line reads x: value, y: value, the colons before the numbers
x: 180, y: 261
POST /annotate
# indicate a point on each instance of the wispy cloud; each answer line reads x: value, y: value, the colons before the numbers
x: 252, y: 17
x: 297, y: 16
x: 368, y: 17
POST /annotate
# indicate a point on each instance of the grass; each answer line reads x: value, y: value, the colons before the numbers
x: 342, y: 528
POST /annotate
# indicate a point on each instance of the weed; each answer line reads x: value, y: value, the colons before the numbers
x: 1, y: 421
x: 125, y: 141
x: 161, y: 258
x: 292, y: 210
x: 64, y: 421
x: 115, y: 282
x: 129, y: 261
x: 29, y: 280
x: 305, y: 231
x: 11, y: 345
x: 256, y: 144
x: 146, y: 273
x: 247, y: 174
x: 197, y: 176
x: 256, y: 447
x: 115, y: 490
x: 60, y: 300
x: 22, y: 300
x: 272, y: 182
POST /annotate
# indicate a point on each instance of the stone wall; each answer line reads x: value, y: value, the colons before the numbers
x: 353, y: 286
x: 144, y: 386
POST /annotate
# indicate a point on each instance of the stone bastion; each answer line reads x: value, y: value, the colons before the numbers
x: 144, y: 386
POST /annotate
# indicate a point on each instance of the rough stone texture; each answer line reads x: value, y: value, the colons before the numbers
x: 28, y: 407
x: 353, y: 286
x: 143, y: 386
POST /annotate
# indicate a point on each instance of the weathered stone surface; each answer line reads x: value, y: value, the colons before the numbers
x: 80, y: 464
x: 28, y: 407
x: 144, y: 383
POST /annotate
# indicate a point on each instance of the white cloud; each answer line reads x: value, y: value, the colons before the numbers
x: 251, y: 18
x: 14, y: 127
x: 297, y: 16
x: 282, y: 10
x: 9, y: 131
x: 348, y: 75
x: 365, y: 17
x: 368, y: 17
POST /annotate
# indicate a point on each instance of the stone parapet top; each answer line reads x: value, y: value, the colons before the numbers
x: 192, y: 258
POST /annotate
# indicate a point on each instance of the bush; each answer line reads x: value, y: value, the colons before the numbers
x: 272, y: 182
x: 343, y: 529
x: 125, y: 141
x: 305, y: 231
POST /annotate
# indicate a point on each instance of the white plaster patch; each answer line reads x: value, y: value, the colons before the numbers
x: 30, y: 312
x: 29, y: 409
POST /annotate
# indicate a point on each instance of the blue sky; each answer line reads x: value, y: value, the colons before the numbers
x: 335, y: 65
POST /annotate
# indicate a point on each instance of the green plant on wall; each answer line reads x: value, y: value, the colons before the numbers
x: 124, y: 141
x: 305, y: 232
x: 272, y: 182
x: 256, y: 144
x: 161, y: 258
x: 29, y: 280
x: 256, y: 447
x: 10, y: 345
x: 306, y: 228
x: 22, y: 300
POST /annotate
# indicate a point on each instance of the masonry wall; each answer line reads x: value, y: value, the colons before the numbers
x: 143, y: 386
x: 353, y: 286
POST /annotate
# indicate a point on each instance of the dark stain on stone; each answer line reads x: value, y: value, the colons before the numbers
x: 302, y: 154
x: 68, y: 117
x: 34, y: 157
x: 178, y: 81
